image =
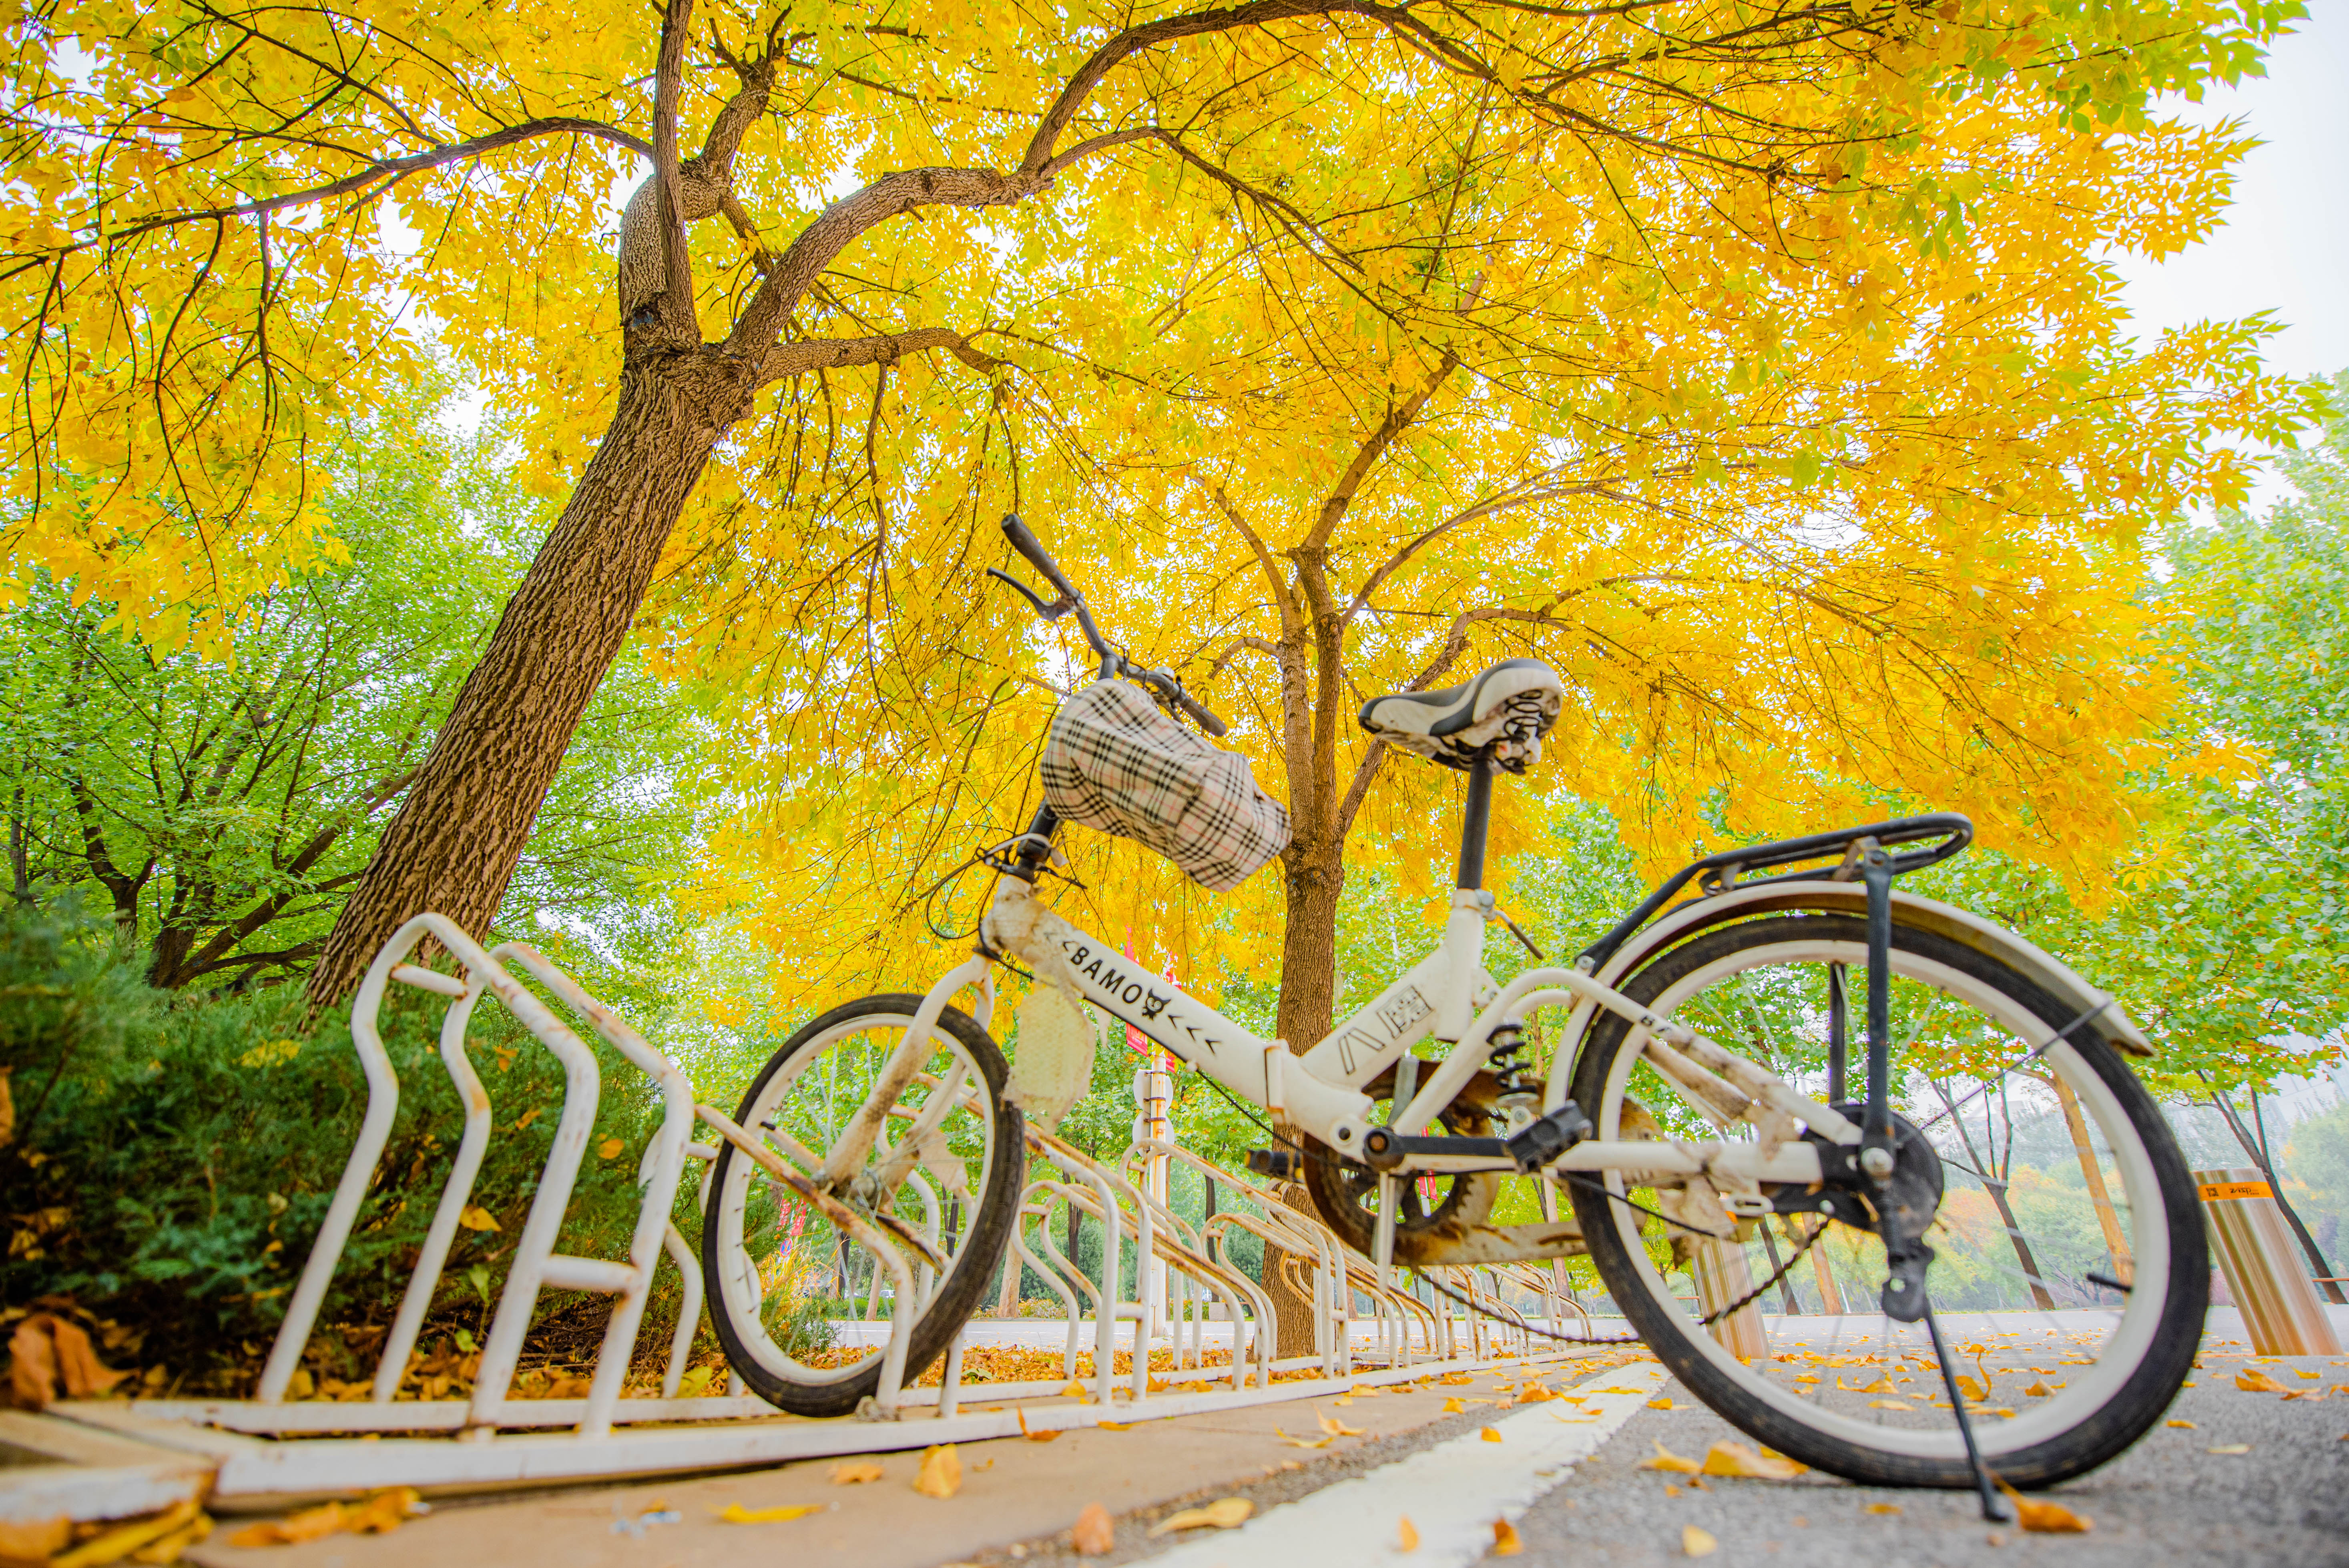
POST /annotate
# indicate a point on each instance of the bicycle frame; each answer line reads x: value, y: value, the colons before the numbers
x: 1321, y: 1090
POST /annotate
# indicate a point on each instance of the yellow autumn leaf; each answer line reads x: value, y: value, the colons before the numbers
x: 1697, y: 1542
x: 1491, y: 1434
x: 1335, y: 1428
x: 1224, y: 1513
x: 1406, y: 1535
x: 941, y: 1472
x: 1665, y: 1460
x: 735, y: 1514
x: 2229, y: 1449
x: 855, y: 1472
x: 1888, y: 1405
x: 1455, y: 1405
x: 2039, y: 1391
x: 610, y: 1148
x: 1730, y: 1458
x: 473, y: 1217
x: 2043, y: 1518
x: 1883, y: 1508
x: 1663, y: 1403
x: 2253, y: 1381
x: 2182, y: 1426
x: 1505, y: 1541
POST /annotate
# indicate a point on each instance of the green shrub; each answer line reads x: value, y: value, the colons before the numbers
x: 174, y: 1157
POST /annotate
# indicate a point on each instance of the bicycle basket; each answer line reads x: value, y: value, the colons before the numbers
x: 1114, y: 763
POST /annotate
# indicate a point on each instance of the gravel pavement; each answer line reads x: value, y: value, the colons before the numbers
x: 2168, y: 1500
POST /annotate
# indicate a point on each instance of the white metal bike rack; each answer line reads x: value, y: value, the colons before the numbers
x: 389, y: 1441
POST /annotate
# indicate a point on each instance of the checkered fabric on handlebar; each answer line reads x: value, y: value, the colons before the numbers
x: 1114, y: 763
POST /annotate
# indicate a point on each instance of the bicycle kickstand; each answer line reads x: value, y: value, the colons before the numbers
x: 1993, y: 1507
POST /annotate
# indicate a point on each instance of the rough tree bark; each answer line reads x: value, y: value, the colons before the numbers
x: 460, y: 830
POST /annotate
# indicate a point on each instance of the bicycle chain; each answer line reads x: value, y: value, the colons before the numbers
x: 1743, y: 1302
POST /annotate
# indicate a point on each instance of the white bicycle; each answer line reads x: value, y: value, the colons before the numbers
x: 1696, y: 1108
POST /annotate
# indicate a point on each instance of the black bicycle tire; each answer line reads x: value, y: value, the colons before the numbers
x: 975, y: 1260
x: 2104, y: 1433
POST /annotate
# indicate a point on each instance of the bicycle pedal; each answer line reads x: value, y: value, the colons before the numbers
x: 1280, y: 1165
x: 1550, y: 1137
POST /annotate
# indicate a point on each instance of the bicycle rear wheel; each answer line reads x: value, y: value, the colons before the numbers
x: 2071, y: 1271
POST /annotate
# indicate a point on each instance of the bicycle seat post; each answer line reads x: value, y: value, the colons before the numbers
x: 1473, y: 821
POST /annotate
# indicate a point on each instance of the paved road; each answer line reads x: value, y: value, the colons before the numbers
x: 2167, y: 1502
x: 1566, y: 1471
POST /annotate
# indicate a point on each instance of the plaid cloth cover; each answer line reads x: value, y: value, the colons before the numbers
x: 1113, y: 761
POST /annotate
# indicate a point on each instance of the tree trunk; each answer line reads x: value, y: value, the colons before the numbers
x: 2031, y: 1274
x: 1292, y: 1310
x: 2124, y: 1263
x: 454, y: 843
x: 1312, y: 877
x: 1830, y: 1294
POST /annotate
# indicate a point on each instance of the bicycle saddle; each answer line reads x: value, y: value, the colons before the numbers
x: 1508, y: 709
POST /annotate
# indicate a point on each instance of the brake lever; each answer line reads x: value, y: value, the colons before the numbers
x: 1051, y: 612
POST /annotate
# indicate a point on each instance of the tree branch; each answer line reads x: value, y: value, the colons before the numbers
x: 788, y: 359
x: 673, y: 307
x: 909, y: 191
x: 388, y: 170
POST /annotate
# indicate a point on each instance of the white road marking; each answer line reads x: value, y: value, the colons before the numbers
x: 1452, y: 1493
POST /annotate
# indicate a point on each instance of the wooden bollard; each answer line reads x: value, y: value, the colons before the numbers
x: 2261, y: 1265
x: 1720, y: 1274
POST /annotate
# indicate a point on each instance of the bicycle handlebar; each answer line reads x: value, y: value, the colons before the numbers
x: 1115, y: 665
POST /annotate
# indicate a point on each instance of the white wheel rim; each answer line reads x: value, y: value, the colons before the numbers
x: 741, y: 1293
x: 2136, y: 1322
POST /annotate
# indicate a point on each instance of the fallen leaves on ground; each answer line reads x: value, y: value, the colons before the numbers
x: 1302, y: 1442
x: 1883, y: 1508
x: 1455, y: 1406
x: 1888, y: 1405
x: 473, y: 1217
x: 47, y: 1349
x: 941, y: 1471
x: 2181, y: 1426
x: 1506, y: 1540
x: 1406, y: 1535
x: 1117, y: 1426
x: 2045, y: 1518
x: 735, y: 1514
x: 2253, y: 1381
x: 1737, y: 1460
x: 1094, y: 1533
x: 1335, y: 1428
x: 1665, y: 1460
x: 855, y: 1472
x: 2229, y: 1449
x: 1033, y: 1437
x: 1696, y: 1543
x: 158, y: 1539
x: 378, y: 1515
x: 36, y: 1539
x: 1224, y: 1513
x: 1665, y: 1403
x: 1491, y: 1434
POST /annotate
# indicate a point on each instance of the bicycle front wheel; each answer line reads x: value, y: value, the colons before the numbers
x: 2071, y: 1273
x: 801, y: 1306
